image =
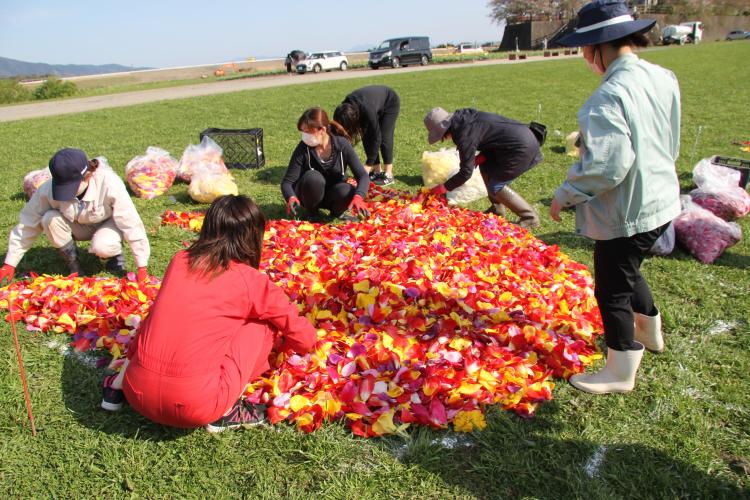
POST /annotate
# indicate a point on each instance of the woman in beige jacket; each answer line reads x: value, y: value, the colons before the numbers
x: 82, y: 202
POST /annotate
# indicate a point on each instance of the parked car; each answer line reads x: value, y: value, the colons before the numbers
x: 403, y: 51
x: 469, y: 48
x: 738, y: 35
x: 323, y: 61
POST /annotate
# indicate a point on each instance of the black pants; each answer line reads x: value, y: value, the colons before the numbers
x: 387, y: 123
x: 314, y: 193
x: 620, y: 288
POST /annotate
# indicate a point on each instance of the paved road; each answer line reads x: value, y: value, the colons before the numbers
x: 67, y: 106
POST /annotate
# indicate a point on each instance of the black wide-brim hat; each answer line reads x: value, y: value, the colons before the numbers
x: 603, y: 21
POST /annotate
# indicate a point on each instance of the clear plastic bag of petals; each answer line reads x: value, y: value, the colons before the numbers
x: 152, y: 174
x: 439, y: 166
x: 705, y: 235
x: 203, y: 156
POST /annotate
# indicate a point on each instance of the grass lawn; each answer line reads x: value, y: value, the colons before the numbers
x: 684, y: 431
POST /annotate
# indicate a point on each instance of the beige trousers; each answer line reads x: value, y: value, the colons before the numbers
x: 105, y: 237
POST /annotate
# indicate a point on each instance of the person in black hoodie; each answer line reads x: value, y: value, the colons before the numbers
x: 371, y: 113
x: 316, y: 176
x: 507, y: 149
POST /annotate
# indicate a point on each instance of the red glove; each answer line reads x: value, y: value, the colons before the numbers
x: 7, y: 271
x: 142, y: 274
x: 292, y: 205
x: 359, y: 206
x: 439, y: 190
x: 479, y: 159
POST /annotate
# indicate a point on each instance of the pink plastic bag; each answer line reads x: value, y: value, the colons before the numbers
x: 729, y: 203
x: 205, y: 156
x: 705, y: 235
x: 150, y: 175
x: 33, y: 180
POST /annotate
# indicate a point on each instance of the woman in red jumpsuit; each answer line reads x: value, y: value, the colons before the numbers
x: 211, y: 328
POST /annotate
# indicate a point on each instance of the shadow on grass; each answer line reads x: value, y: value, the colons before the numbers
x: 410, y: 180
x: 517, y: 458
x: 81, y: 389
x: 565, y: 239
x: 47, y: 260
x: 271, y: 175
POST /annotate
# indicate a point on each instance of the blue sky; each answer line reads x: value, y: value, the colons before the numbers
x: 179, y: 33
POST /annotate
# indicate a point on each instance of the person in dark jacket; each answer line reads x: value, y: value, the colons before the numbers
x: 370, y: 113
x: 316, y: 176
x: 506, y: 148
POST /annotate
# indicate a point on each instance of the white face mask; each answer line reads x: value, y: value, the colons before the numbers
x: 310, y: 139
x: 595, y: 68
x: 82, y: 188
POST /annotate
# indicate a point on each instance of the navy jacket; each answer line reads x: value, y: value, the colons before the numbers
x: 305, y: 158
x: 509, y: 146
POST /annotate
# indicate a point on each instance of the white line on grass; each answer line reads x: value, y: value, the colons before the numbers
x: 592, y: 466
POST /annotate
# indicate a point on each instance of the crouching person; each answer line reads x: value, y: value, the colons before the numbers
x: 82, y: 202
x: 211, y: 329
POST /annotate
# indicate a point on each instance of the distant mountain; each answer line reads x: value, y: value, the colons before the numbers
x: 15, y: 68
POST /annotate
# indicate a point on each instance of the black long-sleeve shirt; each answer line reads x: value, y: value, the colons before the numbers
x: 509, y: 146
x: 373, y: 101
x: 334, y: 170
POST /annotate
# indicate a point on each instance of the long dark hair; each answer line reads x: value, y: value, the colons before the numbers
x: 347, y: 115
x: 317, y: 118
x: 232, y: 231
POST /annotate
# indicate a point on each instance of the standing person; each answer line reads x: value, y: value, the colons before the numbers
x: 188, y: 366
x: 83, y: 201
x: 507, y: 148
x: 371, y: 113
x: 625, y: 187
x: 288, y: 63
x: 316, y: 176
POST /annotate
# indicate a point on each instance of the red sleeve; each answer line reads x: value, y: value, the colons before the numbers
x: 269, y: 303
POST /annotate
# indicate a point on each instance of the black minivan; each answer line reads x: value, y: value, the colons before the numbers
x: 401, y: 52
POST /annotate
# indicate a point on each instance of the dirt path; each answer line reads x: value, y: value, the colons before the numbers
x: 67, y: 106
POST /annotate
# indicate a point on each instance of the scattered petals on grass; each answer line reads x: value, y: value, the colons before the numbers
x: 426, y: 315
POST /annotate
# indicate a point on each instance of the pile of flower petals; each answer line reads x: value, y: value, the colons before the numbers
x: 97, y: 312
x: 426, y: 314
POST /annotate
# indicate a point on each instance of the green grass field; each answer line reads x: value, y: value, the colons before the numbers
x: 684, y: 431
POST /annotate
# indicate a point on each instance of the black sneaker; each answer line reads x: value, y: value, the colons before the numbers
x: 112, y: 399
x: 376, y: 175
x: 242, y: 413
x: 384, y: 180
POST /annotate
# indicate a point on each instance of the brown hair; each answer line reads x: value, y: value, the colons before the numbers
x: 317, y: 118
x: 639, y: 40
x: 232, y: 232
x: 347, y: 115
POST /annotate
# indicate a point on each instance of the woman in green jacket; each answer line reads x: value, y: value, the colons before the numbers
x: 625, y: 187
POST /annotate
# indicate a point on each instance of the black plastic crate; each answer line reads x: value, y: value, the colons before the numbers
x: 737, y: 164
x: 242, y: 148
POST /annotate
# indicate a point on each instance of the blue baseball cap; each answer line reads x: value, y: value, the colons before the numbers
x: 603, y: 21
x: 68, y: 167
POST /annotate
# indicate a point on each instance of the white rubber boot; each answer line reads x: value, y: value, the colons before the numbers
x: 618, y: 375
x: 648, y: 332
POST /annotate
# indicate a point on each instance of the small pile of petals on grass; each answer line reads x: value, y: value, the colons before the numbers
x: 97, y: 312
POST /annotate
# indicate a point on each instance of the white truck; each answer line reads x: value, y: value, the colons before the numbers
x: 689, y: 32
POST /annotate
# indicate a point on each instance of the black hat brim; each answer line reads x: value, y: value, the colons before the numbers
x: 606, y: 34
x: 64, y: 192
